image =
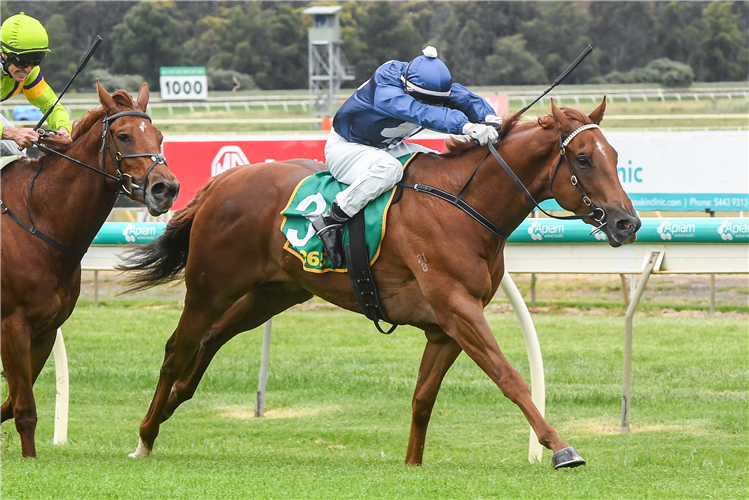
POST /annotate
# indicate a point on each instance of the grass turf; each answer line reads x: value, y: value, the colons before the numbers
x: 338, y: 413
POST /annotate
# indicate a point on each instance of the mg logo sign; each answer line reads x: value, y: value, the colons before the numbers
x: 228, y: 157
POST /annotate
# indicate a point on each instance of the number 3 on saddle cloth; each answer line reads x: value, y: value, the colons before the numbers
x: 312, y: 196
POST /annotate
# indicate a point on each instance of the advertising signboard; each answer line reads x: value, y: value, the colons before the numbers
x: 183, y: 83
x: 670, y: 171
x: 194, y: 160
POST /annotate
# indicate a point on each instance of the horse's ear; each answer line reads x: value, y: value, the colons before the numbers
x: 142, y: 100
x: 563, y: 122
x: 597, y: 115
x: 104, y: 98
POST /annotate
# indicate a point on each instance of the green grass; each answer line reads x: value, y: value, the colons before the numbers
x: 338, y: 411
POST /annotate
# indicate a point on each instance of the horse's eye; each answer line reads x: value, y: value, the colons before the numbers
x: 123, y: 137
x: 583, y: 160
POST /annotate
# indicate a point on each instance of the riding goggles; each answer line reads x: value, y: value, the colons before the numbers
x: 27, y: 59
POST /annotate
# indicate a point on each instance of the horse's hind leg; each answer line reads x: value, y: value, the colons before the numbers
x: 247, y: 313
x: 40, y: 349
x: 197, y: 317
x: 439, y: 355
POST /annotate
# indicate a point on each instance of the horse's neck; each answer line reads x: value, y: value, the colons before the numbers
x: 70, y: 200
x: 491, y: 191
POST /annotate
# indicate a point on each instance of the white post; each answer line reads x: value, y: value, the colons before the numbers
x: 63, y: 390
x: 627, y: 375
x: 263, y: 379
x: 538, y: 387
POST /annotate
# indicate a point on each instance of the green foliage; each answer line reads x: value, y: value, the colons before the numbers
x: 139, y: 48
x: 724, y: 46
x: 111, y: 82
x: 268, y: 40
x: 222, y: 79
x: 512, y: 63
x: 60, y: 65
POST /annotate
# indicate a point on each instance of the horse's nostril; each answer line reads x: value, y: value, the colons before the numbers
x: 624, y: 226
x: 158, y: 189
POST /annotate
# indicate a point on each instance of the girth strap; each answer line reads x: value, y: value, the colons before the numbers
x: 34, y: 231
x: 360, y: 272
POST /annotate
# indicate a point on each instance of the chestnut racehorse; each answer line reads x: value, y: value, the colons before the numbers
x: 53, y: 208
x: 228, y: 244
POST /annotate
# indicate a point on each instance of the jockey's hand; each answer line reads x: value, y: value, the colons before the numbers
x: 481, y: 133
x: 493, y: 119
x: 24, y: 137
x: 64, y: 134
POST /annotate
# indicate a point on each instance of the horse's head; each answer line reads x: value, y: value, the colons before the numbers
x: 134, y: 145
x: 585, y: 179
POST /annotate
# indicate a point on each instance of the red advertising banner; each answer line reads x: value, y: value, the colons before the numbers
x: 194, y: 160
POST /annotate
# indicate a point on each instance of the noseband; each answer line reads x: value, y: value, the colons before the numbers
x: 124, y: 181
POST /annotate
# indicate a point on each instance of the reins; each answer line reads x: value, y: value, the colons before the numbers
x: 125, y: 181
x: 596, y: 214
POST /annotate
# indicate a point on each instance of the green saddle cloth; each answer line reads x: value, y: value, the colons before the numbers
x: 313, y: 196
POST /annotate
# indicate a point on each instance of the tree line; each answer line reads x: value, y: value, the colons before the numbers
x: 264, y: 44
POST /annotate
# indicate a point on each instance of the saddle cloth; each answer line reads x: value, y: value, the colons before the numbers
x: 312, y: 196
x: 7, y: 160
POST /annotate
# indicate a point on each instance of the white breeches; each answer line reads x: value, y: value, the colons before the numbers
x: 368, y: 171
x: 8, y: 147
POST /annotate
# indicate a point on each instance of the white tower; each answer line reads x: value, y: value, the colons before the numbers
x: 328, y: 67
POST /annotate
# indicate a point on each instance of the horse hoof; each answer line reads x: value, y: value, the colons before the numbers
x: 141, y: 451
x: 567, y: 457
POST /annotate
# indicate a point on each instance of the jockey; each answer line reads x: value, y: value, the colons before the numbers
x: 24, y: 45
x: 400, y: 99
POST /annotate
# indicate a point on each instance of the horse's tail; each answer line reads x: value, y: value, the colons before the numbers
x: 164, y: 259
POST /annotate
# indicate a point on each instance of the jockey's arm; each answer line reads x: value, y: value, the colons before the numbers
x: 394, y: 102
x: 41, y: 95
x: 474, y: 106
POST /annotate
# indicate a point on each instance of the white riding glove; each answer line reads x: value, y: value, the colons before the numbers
x: 493, y: 119
x: 481, y: 133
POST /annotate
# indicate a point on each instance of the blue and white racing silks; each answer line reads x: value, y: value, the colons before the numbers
x: 381, y: 114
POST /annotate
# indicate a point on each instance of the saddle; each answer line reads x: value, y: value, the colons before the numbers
x: 362, y: 237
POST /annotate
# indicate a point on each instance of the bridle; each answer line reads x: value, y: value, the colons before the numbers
x: 596, y: 213
x: 124, y: 181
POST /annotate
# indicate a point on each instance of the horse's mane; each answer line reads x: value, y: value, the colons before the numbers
x: 456, y: 146
x: 84, y: 124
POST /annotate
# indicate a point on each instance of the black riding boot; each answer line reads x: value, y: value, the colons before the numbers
x: 329, y: 227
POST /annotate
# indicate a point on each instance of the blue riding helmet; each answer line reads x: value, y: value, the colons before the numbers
x: 427, y: 79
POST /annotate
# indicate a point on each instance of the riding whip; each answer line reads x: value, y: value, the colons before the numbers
x: 561, y: 77
x: 81, y: 65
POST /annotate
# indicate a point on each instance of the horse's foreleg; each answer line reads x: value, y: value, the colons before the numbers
x: 439, y: 355
x: 15, y: 347
x: 247, y: 313
x: 462, y: 318
x: 40, y: 350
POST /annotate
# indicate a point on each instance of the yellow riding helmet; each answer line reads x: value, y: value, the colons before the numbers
x: 22, y: 34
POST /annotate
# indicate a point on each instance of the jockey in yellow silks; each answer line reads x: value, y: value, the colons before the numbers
x: 24, y: 44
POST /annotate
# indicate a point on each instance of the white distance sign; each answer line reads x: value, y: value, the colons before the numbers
x: 183, y: 83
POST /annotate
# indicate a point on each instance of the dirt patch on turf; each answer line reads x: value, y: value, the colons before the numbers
x: 244, y: 412
x: 603, y: 427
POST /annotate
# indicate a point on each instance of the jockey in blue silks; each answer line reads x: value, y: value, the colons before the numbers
x: 368, y: 132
